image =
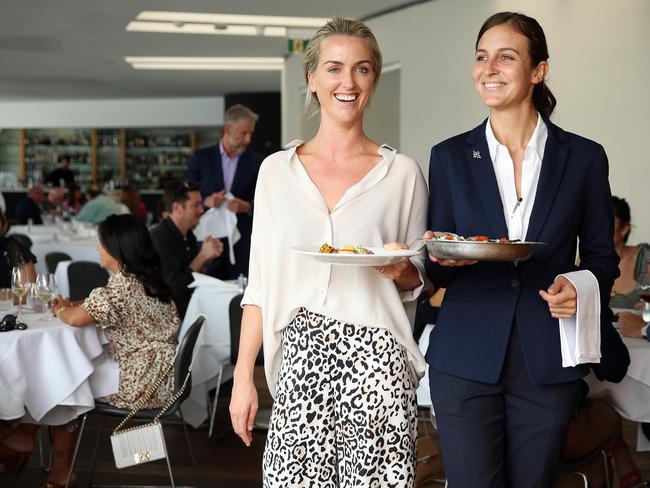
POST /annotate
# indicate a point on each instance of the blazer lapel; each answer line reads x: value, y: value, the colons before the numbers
x: 217, y: 168
x: 553, y: 164
x: 478, y: 158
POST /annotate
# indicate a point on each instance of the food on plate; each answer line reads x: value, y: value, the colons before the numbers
x: 327, y: 249
x: 450, y: 236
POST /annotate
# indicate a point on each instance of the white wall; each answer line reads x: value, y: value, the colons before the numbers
x: 164, y: 112
x: 381, y: 121
x: 599, y: 74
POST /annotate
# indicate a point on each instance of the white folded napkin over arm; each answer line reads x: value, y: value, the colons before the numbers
x: 219, y: 222
x: 580, y: 334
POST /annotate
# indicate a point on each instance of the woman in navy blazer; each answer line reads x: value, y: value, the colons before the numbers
x: 501, y: 396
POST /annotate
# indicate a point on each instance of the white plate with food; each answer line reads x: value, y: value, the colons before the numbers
x: 355, y: 255
x: 479, y: 248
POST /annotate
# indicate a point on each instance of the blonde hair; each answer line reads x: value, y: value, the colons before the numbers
x: 339, y: 26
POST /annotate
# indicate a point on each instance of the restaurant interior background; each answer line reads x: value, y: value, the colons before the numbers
x: 62, y: 66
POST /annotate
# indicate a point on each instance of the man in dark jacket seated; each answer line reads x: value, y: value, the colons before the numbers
x: 29, y: 207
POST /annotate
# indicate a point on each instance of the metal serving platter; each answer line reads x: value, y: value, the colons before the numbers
x: 481, y: 250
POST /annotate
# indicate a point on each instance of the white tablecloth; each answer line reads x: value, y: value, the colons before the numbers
x: 211, y: 299
x: 51, y: 373
x: 630, y: 397
x: 81, y: 245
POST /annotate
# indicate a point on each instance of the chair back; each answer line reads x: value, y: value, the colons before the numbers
x: 84, y: 277
x: 54, y: 258
x: 235, y: 312
x: 183, y: 361
x: 23, y: 239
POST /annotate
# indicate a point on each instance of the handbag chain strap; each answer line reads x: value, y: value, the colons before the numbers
x: 145, y: 398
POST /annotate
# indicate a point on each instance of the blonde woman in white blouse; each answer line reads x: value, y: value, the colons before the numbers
x: 339, y: 354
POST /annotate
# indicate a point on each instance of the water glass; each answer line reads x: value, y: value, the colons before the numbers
x: 6, y: 300
x: 32, y: 300
x: 46, y: 290
x: 644, y: 294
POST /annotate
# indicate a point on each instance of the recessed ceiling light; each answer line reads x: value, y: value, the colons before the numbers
x: 205, y: 63
x: 224, y: 24
x: 218, y: 29
x: 205, y: 18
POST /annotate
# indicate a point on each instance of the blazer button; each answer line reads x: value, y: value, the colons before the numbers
x: 514, y: 283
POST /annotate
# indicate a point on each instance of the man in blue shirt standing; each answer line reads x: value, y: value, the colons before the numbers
x: 228, y: 175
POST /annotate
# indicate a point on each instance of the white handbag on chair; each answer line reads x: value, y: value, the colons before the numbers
x: 144, y: 443
x: 139, y: 445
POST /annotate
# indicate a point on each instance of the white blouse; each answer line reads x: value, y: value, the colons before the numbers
x: 517, y: 213
x: 388, y: 205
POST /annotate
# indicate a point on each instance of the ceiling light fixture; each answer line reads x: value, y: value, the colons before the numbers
x: 224, y: 24
x: 205, y: 63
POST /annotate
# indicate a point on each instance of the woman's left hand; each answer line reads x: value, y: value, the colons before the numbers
x: 404, y: 274
x: 397, y: 270
x: 59, y: 302
x: 562, y: 298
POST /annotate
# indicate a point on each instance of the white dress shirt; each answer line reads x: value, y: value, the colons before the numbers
x: 388, y: 205
x: 517, y: 213
x: 579, y: 335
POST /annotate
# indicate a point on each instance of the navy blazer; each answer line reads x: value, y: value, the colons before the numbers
x: 482, y: 301
x: 205, y: 166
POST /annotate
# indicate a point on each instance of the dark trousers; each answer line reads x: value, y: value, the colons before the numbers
x: 504, y: 435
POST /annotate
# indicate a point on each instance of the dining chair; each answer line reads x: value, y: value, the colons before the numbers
x: 53, y: 258
x: 182, y: 369
x: 84, y: 277
x: 575, y: 465
x: 235, y: 313
x: 23, y: 239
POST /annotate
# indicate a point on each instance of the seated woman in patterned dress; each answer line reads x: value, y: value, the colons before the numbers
x: 140, y: 320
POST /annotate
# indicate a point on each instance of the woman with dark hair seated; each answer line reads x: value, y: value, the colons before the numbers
x: 13, y: 252
x: 140, y: 321
x: 635, y: 259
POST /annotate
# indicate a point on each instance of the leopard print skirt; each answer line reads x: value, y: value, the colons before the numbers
x: 345, y: 409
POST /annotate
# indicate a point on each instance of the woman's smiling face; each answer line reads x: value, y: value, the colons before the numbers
x: 343, y: 80
x: 503, y: 74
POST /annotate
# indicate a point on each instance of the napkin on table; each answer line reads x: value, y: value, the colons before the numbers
x: 201, y: 279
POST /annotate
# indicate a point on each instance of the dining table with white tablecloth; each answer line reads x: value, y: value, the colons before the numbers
x: 51, y: 372
x: 211, y: 298
x: 79, y: 241
x: 631, y: 397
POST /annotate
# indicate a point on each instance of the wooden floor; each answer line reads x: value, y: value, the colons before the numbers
x: 223, y: 463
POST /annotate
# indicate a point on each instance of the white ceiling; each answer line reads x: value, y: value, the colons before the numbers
x: 75, y: 49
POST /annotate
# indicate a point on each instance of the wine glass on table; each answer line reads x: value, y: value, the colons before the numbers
x: 45, y: 290
x: 645, y: 302
x: 19, y: 286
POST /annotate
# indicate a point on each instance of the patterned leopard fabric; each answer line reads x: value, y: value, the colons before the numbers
x: 345, y: 410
